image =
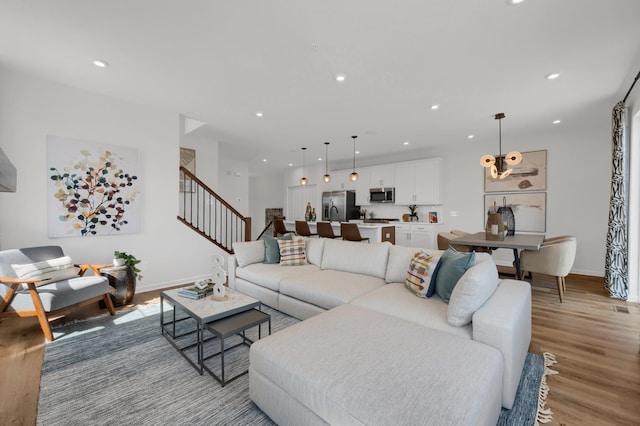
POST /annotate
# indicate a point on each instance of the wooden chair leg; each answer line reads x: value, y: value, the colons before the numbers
x: 42, y: 315
x: 8, y: 297
x: 560, y: 288
x: 109, y: 303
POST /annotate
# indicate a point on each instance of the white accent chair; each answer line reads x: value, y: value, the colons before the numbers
x: 555, y: 257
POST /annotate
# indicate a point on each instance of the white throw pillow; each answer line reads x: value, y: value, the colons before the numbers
x: 471, y: 292
x: 248, y: 252
x: 36, y: 269
x: 52, y: 270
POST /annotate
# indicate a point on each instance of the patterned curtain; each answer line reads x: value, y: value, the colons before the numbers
x: 616, y: 274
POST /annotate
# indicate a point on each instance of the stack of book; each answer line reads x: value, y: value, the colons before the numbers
x: 194, y: 292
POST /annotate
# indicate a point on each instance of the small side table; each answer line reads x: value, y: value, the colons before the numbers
x: 123, y: 283
x: 229, y: 326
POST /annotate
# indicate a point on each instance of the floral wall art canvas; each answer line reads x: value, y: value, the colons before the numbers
x: 93, y: 189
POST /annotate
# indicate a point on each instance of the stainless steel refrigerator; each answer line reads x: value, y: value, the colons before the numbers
x: 339, y: 206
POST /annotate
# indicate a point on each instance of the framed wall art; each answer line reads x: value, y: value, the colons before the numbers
x: 529, y: 175
x: 529, y: 209
x: 188, y: 161
x: 93, y: 189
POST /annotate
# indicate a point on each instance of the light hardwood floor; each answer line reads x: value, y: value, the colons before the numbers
x: 596, y: 341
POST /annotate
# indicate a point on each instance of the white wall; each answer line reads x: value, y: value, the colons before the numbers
x: 31, y: 109
x: 206, y: 156
x: 233, y: 184
x: 265, y: 192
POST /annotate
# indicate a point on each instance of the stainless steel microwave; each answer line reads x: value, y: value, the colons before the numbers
x: 382, y: 195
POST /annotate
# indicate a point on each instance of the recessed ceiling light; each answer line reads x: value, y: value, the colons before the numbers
x: 290, y: 164
x: 319, y: 158
x: 514, y: 1
x: 557, y: 121
x: 357, y: 152
x: 471, y: 136
x: 340, y: 77
x: 405, y: 143
x: 100, y: 63
x: 435, y: 106
x: 259, y: 114
x: 264, y: 160
x: 552, y: 76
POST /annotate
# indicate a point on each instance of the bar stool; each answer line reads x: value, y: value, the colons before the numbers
x: 325, y: 230
x: 350, y: 232
x: 279, y: 227
x: 302, y: 229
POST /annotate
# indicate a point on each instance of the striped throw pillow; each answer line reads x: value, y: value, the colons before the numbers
x: 421, y: 272
x: 292, y: 252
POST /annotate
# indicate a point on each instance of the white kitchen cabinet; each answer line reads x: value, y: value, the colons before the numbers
x: 362, y: 186
x: 416, y: 235
x: 418, y: 182
x: 403, y: 235
x: 340, y: 180
x: 382, y: 176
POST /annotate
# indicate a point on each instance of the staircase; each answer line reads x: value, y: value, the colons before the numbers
x: 204, y: 211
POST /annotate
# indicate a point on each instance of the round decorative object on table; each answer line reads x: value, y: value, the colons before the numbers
x: 123, y: 283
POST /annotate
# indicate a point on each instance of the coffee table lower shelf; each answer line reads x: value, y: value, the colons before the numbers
x: 229, y: 326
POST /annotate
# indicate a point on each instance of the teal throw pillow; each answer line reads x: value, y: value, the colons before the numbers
x: 271, y: 248
x: 453, y: 265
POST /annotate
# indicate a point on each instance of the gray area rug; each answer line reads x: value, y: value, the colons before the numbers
x: 121, y: 370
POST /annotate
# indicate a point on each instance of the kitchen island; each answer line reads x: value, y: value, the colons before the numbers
x: 376, y: 232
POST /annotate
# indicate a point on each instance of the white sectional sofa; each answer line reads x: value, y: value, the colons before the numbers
x: 373, y: 350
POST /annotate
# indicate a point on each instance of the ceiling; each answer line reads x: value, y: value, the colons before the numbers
x: 222, y: 61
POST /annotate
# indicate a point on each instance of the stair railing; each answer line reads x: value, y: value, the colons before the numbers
x: 210, y: 215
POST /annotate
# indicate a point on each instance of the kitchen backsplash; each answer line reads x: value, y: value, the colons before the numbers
x: 390, y: 211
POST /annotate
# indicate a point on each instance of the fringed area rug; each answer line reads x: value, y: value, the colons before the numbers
x: 121, y: 370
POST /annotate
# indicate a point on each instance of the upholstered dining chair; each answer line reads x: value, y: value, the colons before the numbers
x: 279, y: 227
x: 444, y: 241
x: 325, y: 230
x: 302, y: 229
x: 43, y: 282
x: 555, y: 257
x: 350, y: 232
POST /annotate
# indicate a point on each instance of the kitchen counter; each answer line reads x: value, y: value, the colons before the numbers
x: 376, y: 232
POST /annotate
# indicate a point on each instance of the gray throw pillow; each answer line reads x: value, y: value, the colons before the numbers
x: 271, y: 248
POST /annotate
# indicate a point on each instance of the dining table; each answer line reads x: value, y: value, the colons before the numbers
x: 515, y: 242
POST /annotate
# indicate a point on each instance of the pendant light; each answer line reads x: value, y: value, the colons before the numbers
x: 327, y: 177
x: 354, y: 174
x: 498, y: 167
x: 303, y: 180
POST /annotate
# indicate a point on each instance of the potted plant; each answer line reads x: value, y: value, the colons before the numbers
x: 413, y: 216
x: 122, y: 280
x: 123, y: 258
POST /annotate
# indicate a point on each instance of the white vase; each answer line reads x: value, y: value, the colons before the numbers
x: 118, y: 262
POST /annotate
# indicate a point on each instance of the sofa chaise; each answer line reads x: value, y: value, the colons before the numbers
x: 369, y: 351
